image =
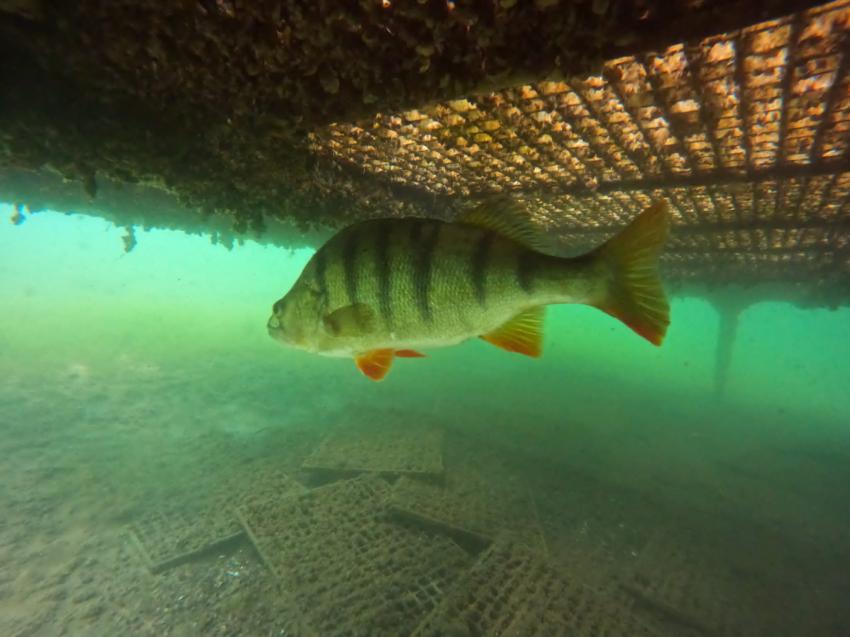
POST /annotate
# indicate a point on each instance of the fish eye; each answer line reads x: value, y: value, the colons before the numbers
x: 277, y: 308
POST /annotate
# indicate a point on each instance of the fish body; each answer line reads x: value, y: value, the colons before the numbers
x: 389, y: 287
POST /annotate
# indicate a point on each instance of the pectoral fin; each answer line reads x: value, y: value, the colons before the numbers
x: 522, y: 334
x: 375, y: 364
x: 352, y: 320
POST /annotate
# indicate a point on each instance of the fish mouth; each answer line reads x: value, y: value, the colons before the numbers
x: 273, y: 327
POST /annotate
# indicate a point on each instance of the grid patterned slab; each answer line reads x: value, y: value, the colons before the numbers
x: 513, y: 591
x: 774, y: 94
x: 347, y: 568
x: 745, y: 134
x: 265, y: 487
x: 689, y: 590
x: 170, y: 537
x: 391, y: 448
x: 469, y: 509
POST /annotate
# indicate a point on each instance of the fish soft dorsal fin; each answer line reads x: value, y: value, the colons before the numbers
x: 375, y: 364
x: 506, y: 217
x: 351, y: 320
x: 522, y: 334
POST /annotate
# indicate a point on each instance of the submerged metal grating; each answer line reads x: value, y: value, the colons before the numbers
x: 773, y: 95
x: 347, y: 569
x: 394, y: 447
x: 476, y: 511
x: 746, y: 134
x: 513, y: 591
x: 684, y: 589
x: 168, y: 537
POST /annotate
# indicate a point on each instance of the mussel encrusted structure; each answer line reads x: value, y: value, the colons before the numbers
x: 738, y: 113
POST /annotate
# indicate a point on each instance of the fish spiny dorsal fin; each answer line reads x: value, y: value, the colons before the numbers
x: 522, y: 334
x: 504, y: 216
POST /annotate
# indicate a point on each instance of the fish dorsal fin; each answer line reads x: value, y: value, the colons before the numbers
x: 376, y: 363
x: 522, y: 334
x: 351, y: 320
x: 504, y: 216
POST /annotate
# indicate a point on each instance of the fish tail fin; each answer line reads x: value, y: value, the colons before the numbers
x: 634, y: 292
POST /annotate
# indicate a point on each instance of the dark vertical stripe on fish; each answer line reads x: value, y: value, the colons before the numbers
x: 321, y: 276
x: 478, y: 271
x: 526, y: 267
x: 382, y: 266
x: 349, y: 266
x: 423, y: 243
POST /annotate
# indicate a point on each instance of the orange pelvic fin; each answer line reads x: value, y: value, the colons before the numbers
x: 375, y: 364
x: 409, y: 353
x: 635, y: 295
x: 522, y: 334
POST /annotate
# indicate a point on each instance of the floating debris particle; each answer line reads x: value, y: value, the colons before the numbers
x: 129, y: 239
x: 90, y: 184
x: 18, y: 216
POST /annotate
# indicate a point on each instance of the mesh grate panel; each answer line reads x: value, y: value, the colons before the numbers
x: 512, y: 591
x: 482, y: 513
x: 169, y: 537
x: 392, y: 448
x: 682, y: 587
x: 348, y: 569
x: 746, y: 134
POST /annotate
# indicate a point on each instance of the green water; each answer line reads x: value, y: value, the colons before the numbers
x: 136, y: 379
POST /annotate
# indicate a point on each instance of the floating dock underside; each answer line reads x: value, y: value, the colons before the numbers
x: 737, y: 113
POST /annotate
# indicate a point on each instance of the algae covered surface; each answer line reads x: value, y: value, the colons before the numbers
x: 608, y: 488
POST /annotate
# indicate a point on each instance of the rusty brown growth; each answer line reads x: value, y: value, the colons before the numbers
x: 744, y: 133
x: 326, y: 113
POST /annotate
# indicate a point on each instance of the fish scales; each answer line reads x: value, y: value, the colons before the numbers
x: 430, y: 279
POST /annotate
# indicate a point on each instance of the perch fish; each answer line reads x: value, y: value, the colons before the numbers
x: 387, y: 288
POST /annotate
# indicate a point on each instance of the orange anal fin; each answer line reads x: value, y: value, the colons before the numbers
x: 523, y: 334
x: 409, y: 353
x: 375, y: 364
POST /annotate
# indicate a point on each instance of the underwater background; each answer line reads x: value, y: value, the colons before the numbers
x: 137, y: 380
